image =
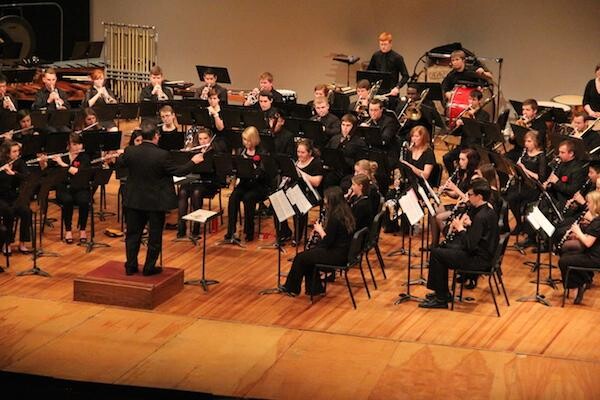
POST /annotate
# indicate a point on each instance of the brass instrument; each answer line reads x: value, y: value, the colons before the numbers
x: 252, y: 97
x: 412, y: 111
x: 8, y: 104
x: 526, y: 123
x: 472, y: 111
x: 363, y: 109
x: 160, y: 94
x: 590, y: 126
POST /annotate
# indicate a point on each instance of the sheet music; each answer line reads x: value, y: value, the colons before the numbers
x: 426, y: 199
x: 178, y: 178
x: 431, y: 191
x: 298, y: 199
x: 312, y: 189
x: 410, y: 206
x: 538, y: 220
x: 281, y: 205
x: 199, y: 215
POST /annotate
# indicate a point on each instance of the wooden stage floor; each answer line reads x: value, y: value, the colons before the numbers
x: 232, y: 341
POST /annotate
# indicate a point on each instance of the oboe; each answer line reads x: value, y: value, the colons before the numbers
x: 567, y: 233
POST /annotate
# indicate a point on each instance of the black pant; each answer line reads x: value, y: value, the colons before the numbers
x: 136, y: 221
x: 195, y: 193
x: 249, y: 195
x: 304, y: 265
x: 67, y: 198
x: 8, y: 212
x: 577, y: 278
x: 443, y: 259
x: 517, y: 196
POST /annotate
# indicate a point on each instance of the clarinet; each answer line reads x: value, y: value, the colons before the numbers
x: 315, y: 237
x: 458, y: 211
x: 510, y: 180
x: 450, y: 179
x: 567, y: 233
x: 581, y: 190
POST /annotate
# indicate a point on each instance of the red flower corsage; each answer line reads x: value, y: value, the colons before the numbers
x: 256, y: 158
x: 564, y: 179
x: 76, y: 164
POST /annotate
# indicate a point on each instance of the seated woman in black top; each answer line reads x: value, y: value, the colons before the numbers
x: 205, y: 186
x: 310, y: 169
x: 11, y: 177
x: 249, y: 190
x: 420, y: 159
x: 336, y: 234
x: 359, y: 201
x: 590, y: 256
x: 533, y: 163
x: 591, y: 95
x: 68, y: 193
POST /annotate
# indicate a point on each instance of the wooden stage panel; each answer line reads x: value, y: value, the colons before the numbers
x: 108, y: 284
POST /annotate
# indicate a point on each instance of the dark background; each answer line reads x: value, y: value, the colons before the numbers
x: 45, y: 21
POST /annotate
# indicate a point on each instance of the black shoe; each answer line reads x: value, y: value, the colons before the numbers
x: 283, y: 290
x: 431, y: 296
x: 170, y: 227
x: 249, y: 238
x: 470, y: 283
x: 434, y: 303
x: 131, y: 271
x: 579, y: 297
x: 526, y: 243
x: 228, y: 236
x: 151, y: 271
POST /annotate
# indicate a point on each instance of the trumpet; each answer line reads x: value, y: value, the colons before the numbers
x: 526, y: 123
x: 361, y: 108
x: 157, y: 90
x: 37, y: 160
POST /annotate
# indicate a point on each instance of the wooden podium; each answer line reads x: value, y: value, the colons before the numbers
x: 108, y: 284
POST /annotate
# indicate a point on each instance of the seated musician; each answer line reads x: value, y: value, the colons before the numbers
x: 249, y: 190
x: 284, y: 139
x: 566, y: 179
x: 461, y: 74
x: 360, y: 107
x: 582, y: 249
x: 25, y: 127
x: 11, y: 177
x: 530, y: 119
x: 455, y: 187
x: 532, y: 162
x: 591, y: 138
x: 49, y: 97
x: 67, y: 194
x: 475, y: 242
x: 335, y: 232
x: 156, y: 90
x: 407, y: 103
x: 265, y: 84
x: 350, y: 144
x: 388, y: 129
x: 214, y: 110
x: 9, y: 103
x: 591, y: 95
x: 420, y: 158
x: 387, y: 60
x: 330, y: 122
x: 321, y: 90
x: 310, y: 169
x: 370, y: 169
x: 205, y: 187
x: 475, y: 112
x: 90, y: 122
x: 98, y: 94
x: 209, y: 78
x: 358, y: 198
x: 168, y: 120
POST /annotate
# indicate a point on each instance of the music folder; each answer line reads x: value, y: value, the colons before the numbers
x: 221, y: 73
x: 373, y: 76
x: 83, y: 50
x: 581, y: 152
x: 171, y: 141
x: 435, y: 90
x: 519, y: 132
x: 333, y: 159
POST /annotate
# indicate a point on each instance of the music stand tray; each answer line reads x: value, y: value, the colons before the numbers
x: 171, y: 141
x: 221, y: 72
x: 435, y: 90
x: 203, y: 217
x: 373, y: 76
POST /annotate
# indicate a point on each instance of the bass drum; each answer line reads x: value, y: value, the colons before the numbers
x: 16, y: 37
x: 459, y: 102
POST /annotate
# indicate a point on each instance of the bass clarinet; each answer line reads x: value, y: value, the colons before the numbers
x: 315, y: 237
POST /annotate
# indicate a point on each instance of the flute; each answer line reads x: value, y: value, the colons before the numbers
x: 37, y: 160
x: 17, y: 131
x: 87, y: 128
x: 8, y: 164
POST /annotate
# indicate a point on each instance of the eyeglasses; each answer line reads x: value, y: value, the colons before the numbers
x: 470, y: 194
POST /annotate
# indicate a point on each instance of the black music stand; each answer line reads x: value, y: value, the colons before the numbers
x: 435, y: 90
x: 232, y: 116
x: 86, y: 50
x: 221, y: 73
x: 537, y: 297
x: 386, y: 78
x: 402, y: 297
x: 8, y: 120
x: 203, y: 217
x: 200, y: 116
x: 255, y: 118
x: 32, y: 145
x: 517, y: 106
x: 56, y: 143
x: 172, y: 141
x: 348, y: 60
x: 26, y: 191
x: 333, y: 160
x: 580, y: 150
x: 19, y: 75
x: 61, y: 118
x: 371, y: 135
x: 283, y: 210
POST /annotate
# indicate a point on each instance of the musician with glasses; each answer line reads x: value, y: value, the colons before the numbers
x: 473, y: 247
x: 387, y: 60
x: 50, y: 97
x: 168, y: 120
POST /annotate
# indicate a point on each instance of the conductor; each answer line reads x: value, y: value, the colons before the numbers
x: 149, y: 194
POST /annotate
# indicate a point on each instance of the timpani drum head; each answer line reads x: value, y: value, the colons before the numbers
x: 569, y: 99
x: 18, y: 38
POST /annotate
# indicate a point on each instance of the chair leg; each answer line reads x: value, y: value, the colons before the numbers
x: 349, y: 288
x: 370, y: 270
x: 496, y: 283
x: 566, y: 284
x: 499, y: 276
x: 221, y: 206
x: 453, y: 290
x: 493, y: 294
x: 380, y: 258
x: 314, y: 278
x: 362, y: 273
x: 462, y: 285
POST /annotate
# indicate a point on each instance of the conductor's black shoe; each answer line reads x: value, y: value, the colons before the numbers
x: 152, y: 271
x: 131, y: 271
x: 580, y: 291
x: 434, y: 303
